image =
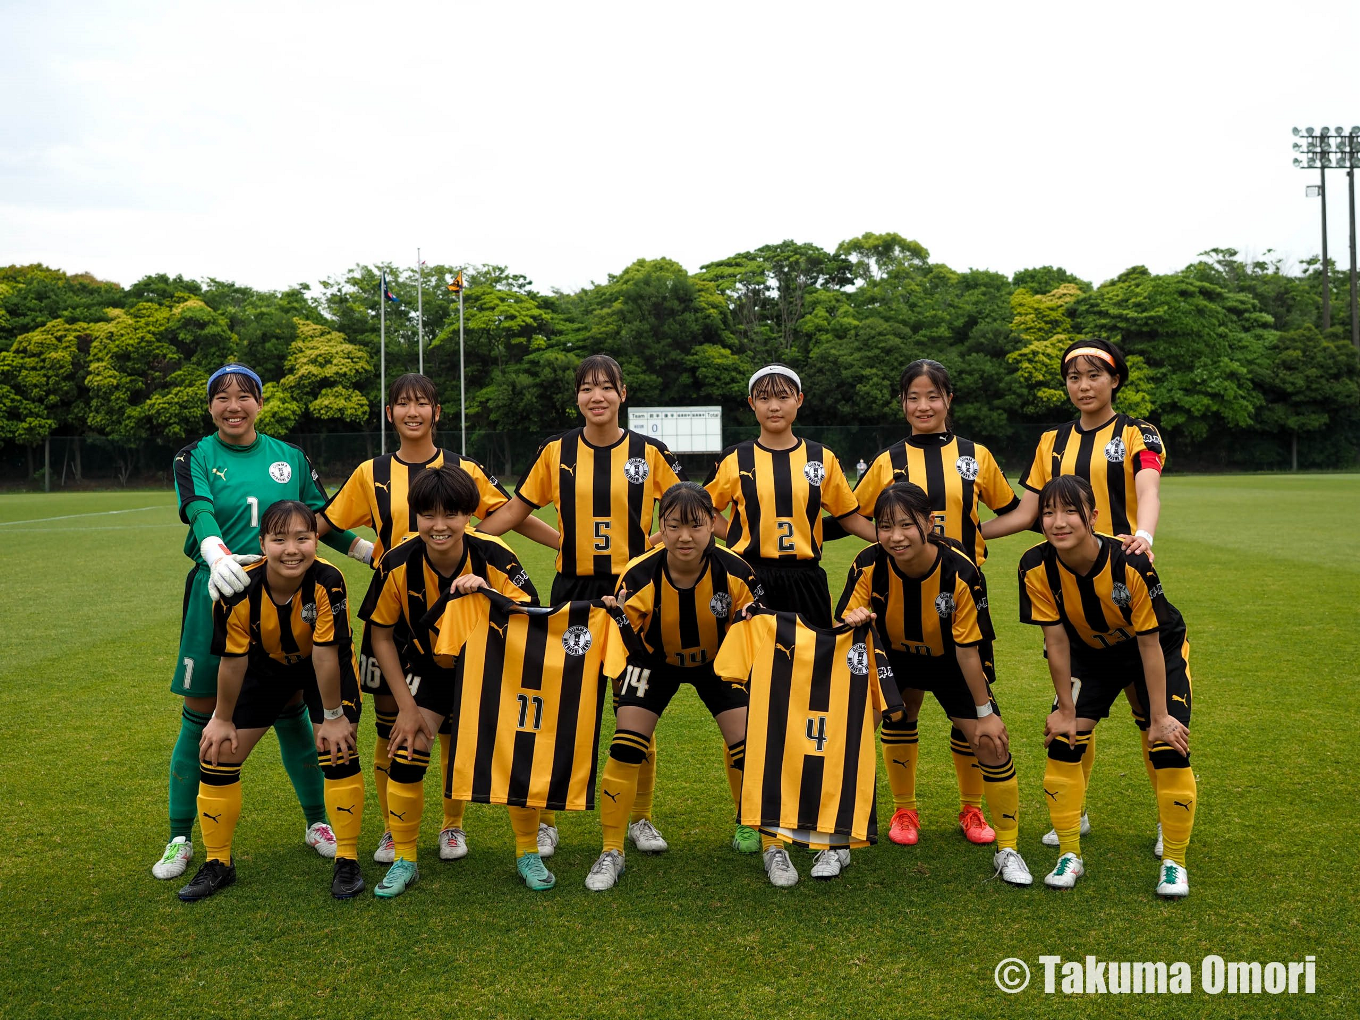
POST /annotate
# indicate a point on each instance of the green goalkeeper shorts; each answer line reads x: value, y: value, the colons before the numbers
x: 196, y: 666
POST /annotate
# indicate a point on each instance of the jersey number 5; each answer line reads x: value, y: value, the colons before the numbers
x: 602, y: 536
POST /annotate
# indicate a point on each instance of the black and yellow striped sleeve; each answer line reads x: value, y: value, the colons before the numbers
x: 491, y: 493
x: 538, y: 487
x: 352, y: 506
x: 332, y: 606
x: 993, y: 487
x: 1040, y: 470
x: 1038, y: 602
x: 231, y: 626
x: 506, y: 574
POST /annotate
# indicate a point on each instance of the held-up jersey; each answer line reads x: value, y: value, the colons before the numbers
x: 779, y: 497
x: 1109, y: 457
x: 1118, y: 598
x: 686, y: 626
x: 240, y: 483
x: 810, y: 747
x: 375, y: 496
x: 956, y: 474
x: 604, y: 497
x: 529, y: 688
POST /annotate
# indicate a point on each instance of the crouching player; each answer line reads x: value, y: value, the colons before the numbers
x: 284, y: 641
x: 1107, y: 625
x: 409, y: 582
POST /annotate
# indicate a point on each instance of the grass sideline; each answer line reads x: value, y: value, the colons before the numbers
x: 1259, y: 565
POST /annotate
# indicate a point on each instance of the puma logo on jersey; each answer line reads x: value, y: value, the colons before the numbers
x: 612, y: 796
x: 1177, y: 697
x: 749, y: 474
x: 569, y: 469
x: 348, y: 704
x: 347, y: 810
x: 217, y: 818
x: 180, y: 458
x: 220, y: 473
x: 498, y: 628
x: 786, y: 651
x: 385, y: 486
x: 1051, y: 793
x: 1184, y: 804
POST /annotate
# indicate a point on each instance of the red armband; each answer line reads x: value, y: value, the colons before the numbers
x: 1148, y: 459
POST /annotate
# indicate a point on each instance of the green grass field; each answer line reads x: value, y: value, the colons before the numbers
x: 1263, y: 568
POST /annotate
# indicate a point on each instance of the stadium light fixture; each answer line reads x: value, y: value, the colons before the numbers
x: 1324, y: 150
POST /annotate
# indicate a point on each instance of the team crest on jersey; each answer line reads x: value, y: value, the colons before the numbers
x: 720, y: 605
x: 338, y: 607
x: 1120, y: 596
x: 309, y: 613
x: 815, y: 472
x: 1114, y: 450
x: 944, y: 604
x: 858, y: 659
x: 576, y: 640
x: 1152, y: 441
x: 281, y: 471
x: 1156, y: 592
x: 635, y: 470
x: 967, y: 467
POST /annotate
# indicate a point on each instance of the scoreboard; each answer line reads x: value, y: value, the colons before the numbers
x: 682, y: 429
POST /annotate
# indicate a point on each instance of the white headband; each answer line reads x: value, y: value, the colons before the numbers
x: 788, y: 373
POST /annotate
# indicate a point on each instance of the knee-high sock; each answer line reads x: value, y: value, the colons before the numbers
x: 767, y: 841
x: 1003, y: 797
x: 1064, y: 790
x: 646, y: 785
x: 453, y: 809
x: 735, y: 755
x: 219, y: 808
x: 619, y: 785
x: 297, y: 746
x: 546, y: 817
x: 1088, y: 762
x: 524, y: 824
x: 406, y: 799
x: 344, y: 790
x: 382, y: 759
x: 1177, y: 795
x: 899, y: 757
x: 966, y: 768
x: 184, y: 772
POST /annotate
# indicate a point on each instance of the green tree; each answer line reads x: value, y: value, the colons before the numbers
x: 39, y: 384
x: 321, y: 387
x: 32, y: 296
x: 1311, y: 385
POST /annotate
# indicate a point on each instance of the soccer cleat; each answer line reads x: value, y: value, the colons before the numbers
x: 646, y: 837
x: 1012, y: 867
x: 779, y: 869
x: 1051, y: 836
x: 975, y: 826
x: 175, y: 861
x: 535, y: 875
x: 452, y: 844
x: 1157, y: 847
x: 321, y: 839
x: 746, y: 840
x: 213, y: 877
x: 905, y: 827
x: 829, y: 863
x: 347, y: 881
x: 1173, y: 881
x: 400, y: 876
x: 547, y: 840
x: 605, y: 872
x: 1065, y: 873
x: 387, y: 850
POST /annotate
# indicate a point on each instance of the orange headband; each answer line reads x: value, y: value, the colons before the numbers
x: 1092, y: 352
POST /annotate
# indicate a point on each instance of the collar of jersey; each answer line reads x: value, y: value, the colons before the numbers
x: 237, y: 449
x: 457, y: 571
x: 609, y: 446
x: 791, y: 449
x: 418, y: 463
x: 1096, y: 567
x: 939, y: 558
x: 666, y: 569
x: 924, y: 439
x: 1104, y: 424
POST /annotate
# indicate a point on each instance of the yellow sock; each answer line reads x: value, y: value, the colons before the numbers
x: 1003, y: 798
x: 767, y: 841
x: 453, y: 809
x: 966, y: 768
x: 618, y: 788
x: 900, y: 750
x: 1064, y: 791
x: 646, y: 784
x: 219, y: 808
x: 1177, y: 794
x: 406, y: 799
x: 345, y: 805
x: 736, y: 761
x: 524, y: 824
x: 382, y: 760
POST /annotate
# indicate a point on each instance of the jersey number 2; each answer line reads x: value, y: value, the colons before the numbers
x: 785, y: 529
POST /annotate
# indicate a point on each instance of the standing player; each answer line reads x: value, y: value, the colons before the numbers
x: 1107, y: 621
x: 604, y: 482
x: 224, y: 482
x: 929, y: 608
x: 957, y: 475
x: 680, y: 599
x: 376, y: 496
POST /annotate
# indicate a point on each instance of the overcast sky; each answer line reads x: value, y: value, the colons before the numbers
x: 276, y: 143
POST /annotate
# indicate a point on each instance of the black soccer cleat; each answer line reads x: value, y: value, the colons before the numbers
x: 348, y: 881
x: 213, y: 877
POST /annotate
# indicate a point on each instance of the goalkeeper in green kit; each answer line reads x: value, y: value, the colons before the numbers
x: 225, y: 482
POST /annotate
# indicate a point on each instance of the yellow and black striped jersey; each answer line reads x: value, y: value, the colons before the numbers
x: 604, y: 497
x: 956, y: 474
x: 810, y: 747
x: 929, y: 615
x: 277, y: 637
x: 686, y: 626
x: 530, y: 685
x: 779, y: 496
x: 1109, y: 457
x: 375, y: 496
x: 1119, y: 597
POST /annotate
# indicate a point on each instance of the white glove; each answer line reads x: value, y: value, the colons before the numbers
x: 225, y: 574
x: 362, y: 550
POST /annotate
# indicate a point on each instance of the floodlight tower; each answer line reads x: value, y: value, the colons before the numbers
x: 1324, y: 149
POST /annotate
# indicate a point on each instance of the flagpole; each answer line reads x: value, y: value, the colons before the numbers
x: 420, y: 314
x: 462, y: 375
x: 382, y: 360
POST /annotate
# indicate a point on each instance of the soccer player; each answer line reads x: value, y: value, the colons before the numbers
x: 1108, y: 623
x: 1122, y: 458
x: 224, y: 481
x: 929, y: 608
x: 778, y: 486
x: 604, y: 482
x: 284, y: 643
x: 957, y: 475
x: 411, y: 579
x: 680, y: 598
x: 376, y: 496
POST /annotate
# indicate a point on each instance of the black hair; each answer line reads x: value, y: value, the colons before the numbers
x: 939, y: 378
x: 246, y: 382
x: 776, y: 384
x: 1071, y: 492
x: 412, y: 384
x: 906, y: 500
x: 279, y: 516
x: 689, y: 502
x: 1120, y: 368
x: 447, y: 488
x: 599, y: 366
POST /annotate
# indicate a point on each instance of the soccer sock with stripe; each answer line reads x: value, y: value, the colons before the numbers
x: 406, y: 799
x: 646, y: 784
x: 619, y: 785
x: 1177, y: 794
x: 184, y: 772
x: 453, y: 809
x: 767, y: 841
x: 219, y: 808
x: 1003, y: 797
x: 736, y: 762
x: 382, y: 759
x: 1065, y: 789
x: 524, y: 824
x: 900, y: 750
x: 965, y: 767
x: 297, y: 746
x: 344, y: 790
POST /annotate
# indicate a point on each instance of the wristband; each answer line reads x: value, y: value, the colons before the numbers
x: 332, y: 713
x: 1140, y: 533
x: 983, y: 711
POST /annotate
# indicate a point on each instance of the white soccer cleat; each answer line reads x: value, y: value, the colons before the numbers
x: 779, y: 869
x: 1012, y: 867
x: 646, y: 837
x: 1173, y: 881
x: 604, y: 873
x: 1065, y: 873
x: 1051, y: 836
x: 547, y: 840
x: 321, y: 839
x: 387, y: 850
x: 453, y: 844
x: 173, y: 863
x: 829, y: 863
x: 1157, y: 846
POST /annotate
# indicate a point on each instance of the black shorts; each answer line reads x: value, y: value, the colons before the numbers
x: 1103, y: 673
x: 793, y: 586
x: 433, y: 688
x: 265, y: 694
x: 371, y: 677
x: 570, y: 588
x: 942, y: 678
x: 717, y: 695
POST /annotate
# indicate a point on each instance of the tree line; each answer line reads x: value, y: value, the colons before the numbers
x: 1226, y: 356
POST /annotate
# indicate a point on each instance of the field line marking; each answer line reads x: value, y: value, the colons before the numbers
x: 93, y: 513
